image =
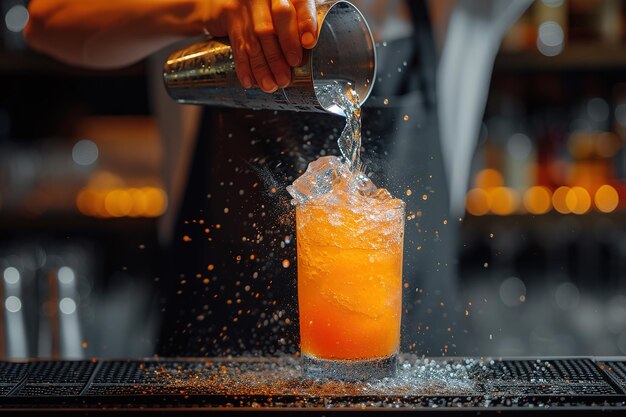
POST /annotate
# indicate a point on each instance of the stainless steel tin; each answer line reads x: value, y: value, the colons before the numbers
x: 204, y: 73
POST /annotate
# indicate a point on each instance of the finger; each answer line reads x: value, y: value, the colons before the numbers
x: 286, y: 27
x: 264, y: 31
x: 258, y: 64
x: 276, y: 60
x: 307, y: 22
x: 241, y: 59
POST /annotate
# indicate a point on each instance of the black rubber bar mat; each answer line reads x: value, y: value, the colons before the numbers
x: 564, y: 386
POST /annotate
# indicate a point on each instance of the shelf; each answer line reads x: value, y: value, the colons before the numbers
x: 591, y: 56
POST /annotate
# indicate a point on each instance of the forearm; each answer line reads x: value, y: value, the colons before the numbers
x: 112, y: 33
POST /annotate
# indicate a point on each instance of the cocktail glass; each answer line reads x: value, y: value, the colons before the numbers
x: 350, y: 289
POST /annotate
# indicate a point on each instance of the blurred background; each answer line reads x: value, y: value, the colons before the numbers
x: 542, y: 255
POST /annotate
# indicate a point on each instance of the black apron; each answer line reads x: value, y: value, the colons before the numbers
x: 232, y: 282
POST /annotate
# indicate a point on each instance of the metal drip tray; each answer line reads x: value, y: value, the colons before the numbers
x: 486, y: 386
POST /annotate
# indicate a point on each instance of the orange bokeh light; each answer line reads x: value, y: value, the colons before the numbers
x: 558, y: 200
x: 478, y: 202
x: 538, y: 200
x: 118, y: 203
x: 122, y: 202
x: 488, y: 178
x: 157, y: 201
x: 578, y: 200
x: 140, y: 202
x: 504, y: 201
x: 606, y: 199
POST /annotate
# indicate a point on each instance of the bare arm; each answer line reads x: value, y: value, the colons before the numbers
x: 111, y: 33
x: 267, y: 35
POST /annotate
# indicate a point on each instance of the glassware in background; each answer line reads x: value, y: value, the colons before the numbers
x: 55, y: 306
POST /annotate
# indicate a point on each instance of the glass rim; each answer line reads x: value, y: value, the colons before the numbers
x: 400, y: 206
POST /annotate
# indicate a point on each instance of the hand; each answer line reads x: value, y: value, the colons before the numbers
x: 267, y: 37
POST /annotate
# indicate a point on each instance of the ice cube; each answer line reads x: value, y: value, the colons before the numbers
x: 320, y: 178
x: 363, y: 185
x: 381, y: 195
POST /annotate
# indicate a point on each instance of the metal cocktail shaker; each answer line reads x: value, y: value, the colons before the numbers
x: 204, y: 73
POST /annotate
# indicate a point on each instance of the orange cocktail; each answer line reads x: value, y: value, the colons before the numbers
x: 350, y: 279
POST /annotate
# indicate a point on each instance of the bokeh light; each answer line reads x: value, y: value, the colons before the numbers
x: 504, y: 201
x: 122, y: 202
x: 11, y: 275
x: 157, y: 201
x: 118, y: 203
x: 598, y: 109
x: 488, y: 178
x: 578, y: 200
x: 66, y: 275
x: 140, y: 202
x: 550, y: 38
x: 85, y: 152
x: 67, y: 306
x: 538, y: 200
x: 512, y: 292
x: 567, y: 296
x: 16, y: 18
x: 559, y: 200
x: 606, y: 199
x: 478, y: 202
x: 519, y: 146
x: 13, y: 304
x: 620, y: 114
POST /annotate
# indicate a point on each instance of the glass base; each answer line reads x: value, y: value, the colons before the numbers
x: 349, y: 370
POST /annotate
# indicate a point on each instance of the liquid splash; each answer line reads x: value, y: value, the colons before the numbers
x: 342, y: 98
x: 283, y: 377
